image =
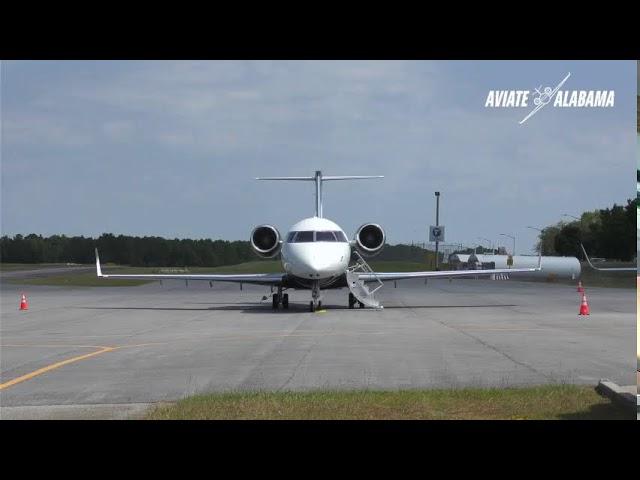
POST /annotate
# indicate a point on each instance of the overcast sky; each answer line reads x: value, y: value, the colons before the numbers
x: 171, y: 148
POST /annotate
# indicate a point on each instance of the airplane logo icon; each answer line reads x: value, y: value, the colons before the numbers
x: 544, y: 96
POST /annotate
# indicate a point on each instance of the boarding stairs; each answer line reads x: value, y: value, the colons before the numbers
x: 358, y: 287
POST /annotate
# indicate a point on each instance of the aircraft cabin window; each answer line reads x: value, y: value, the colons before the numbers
x: 305, y: 236
x: 325, y: 237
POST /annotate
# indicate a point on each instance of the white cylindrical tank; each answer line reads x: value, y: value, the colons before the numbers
x: 552, y: 267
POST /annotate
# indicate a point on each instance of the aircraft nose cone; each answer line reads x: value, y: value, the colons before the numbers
x: 319, y: 267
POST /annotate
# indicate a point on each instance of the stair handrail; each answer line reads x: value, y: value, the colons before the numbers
x: 362, y: 265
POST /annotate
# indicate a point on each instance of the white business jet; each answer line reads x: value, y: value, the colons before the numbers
x: 316, y: 255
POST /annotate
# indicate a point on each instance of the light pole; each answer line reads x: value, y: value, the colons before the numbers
x: 437, y: 223
x: 514, y: 241
x: 541, y: 230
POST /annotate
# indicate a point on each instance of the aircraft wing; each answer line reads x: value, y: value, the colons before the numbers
x: 255, y: 278
x: 555, y: 90
x: 372, y: 277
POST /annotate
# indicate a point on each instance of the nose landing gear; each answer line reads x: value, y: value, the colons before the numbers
x: 280, y: 298
x: 315, y: 303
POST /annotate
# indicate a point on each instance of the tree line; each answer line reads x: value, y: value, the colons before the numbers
x: 124, y: 250
x: 608, y: 233
x: 151, y: 251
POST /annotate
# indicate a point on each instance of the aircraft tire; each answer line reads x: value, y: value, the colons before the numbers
x: 285, y: 301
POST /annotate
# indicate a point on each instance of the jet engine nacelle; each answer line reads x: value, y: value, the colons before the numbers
x: 265, y: 241
x: 369, y: 239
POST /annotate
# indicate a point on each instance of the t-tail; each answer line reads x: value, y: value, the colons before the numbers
x: 318, y: 178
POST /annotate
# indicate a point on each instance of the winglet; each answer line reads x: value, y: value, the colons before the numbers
x: 587, y: 257
x: 98, y: 269
x: 540, y: 260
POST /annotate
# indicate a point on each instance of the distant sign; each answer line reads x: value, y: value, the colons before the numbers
x: 436, y: 234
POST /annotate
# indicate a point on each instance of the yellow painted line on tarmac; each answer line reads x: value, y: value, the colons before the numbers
x: 53, y: 366
x: 321, y: 311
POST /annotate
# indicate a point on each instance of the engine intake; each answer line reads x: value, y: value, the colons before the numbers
x: 265, y: 241
x: 370, y: 239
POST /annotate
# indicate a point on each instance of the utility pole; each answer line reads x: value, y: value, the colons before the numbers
x: 437, y: 223
x: 541, y: 230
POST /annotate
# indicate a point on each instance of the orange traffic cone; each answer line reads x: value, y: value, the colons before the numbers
x: 584, y: 306
x: 23, y: 303
x: 580, y: 287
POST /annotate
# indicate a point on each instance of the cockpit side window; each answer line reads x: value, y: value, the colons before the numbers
x: 341, y: 236
x: 325, y: 237
x: 290, y: 237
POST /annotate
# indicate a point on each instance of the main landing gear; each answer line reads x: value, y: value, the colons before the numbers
x: 353, y: 300
x: 280, y: 298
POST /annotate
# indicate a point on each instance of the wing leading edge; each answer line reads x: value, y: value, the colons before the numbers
x: 255, y: 278
x: 370, y: 277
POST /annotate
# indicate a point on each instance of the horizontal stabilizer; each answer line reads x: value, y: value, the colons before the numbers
x: 324, y: 179
x: 319, y: 179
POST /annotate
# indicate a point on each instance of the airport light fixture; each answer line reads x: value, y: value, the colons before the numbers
x: 541, y: 230
x: 437, y: 223
x: 514, y: 241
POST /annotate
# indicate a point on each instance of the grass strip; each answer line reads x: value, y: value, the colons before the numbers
x: 541, y: 402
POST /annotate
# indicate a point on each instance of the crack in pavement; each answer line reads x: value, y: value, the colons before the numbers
x: 489, y: 346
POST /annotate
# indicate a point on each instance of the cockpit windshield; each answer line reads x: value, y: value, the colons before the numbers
x: 302, y: 237
x: 322, y: 236
x: 325, y: 237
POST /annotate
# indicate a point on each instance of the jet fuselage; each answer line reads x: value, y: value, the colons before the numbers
x: 315, y: 249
